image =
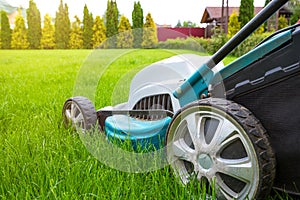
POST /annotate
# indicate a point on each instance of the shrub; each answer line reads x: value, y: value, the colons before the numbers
x: 216, y: 41
x: 249, y: 44
x: 212, y: 45
x: 181, y: 43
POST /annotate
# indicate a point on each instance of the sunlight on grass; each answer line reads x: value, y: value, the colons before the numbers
x: 40, y: 159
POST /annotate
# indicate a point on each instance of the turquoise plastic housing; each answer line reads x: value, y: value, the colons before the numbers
x: 192, y: 89
x: 142, y: 134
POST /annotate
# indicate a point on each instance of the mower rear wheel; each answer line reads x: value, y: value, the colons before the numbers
x: 221, y: 142
x: 79, y: 112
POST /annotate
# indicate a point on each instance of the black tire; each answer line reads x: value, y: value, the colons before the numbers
x: 235, y: 138
x: 79, y: 112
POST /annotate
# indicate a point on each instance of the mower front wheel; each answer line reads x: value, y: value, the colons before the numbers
x: 79, y: 112
x: 221, y: 142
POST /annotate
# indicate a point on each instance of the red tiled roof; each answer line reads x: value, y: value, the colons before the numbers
x: 212, y: 13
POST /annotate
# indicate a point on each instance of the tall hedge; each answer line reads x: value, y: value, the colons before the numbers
x: 76, y: 36
x: 62, y: 27
x: 48, y: 39
x: 125, y: 36
x: 233, y: 25
x: 34, y: 26
x: 112, y: 18
x: 5, y: 33
x: 19, y: 34
x: 149, y: 33
x: 137, y: 24
x: 246, y: 12
x: 87, y: 28
x: 99, y: 32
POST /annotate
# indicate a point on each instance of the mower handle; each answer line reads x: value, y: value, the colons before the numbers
x: 250, y: 27
x: 197, y: 83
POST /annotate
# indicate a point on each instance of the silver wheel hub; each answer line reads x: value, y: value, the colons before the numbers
x: 205, y: 161
x: 74, y: 116
x: 213, y: 146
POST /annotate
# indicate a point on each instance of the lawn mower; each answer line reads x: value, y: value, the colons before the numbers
x: 235, y: 127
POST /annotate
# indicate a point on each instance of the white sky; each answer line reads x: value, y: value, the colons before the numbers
x: 162, y: 11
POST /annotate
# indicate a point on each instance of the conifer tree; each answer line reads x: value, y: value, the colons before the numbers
x: 34, y: 25
x: 62, y: 27
x: 149, y: 33
x: 76, y: 38
x: 178, y: 25
x: 112, y: 15
x: 5, y: 34
x: 87, y: 28
x: 112, y: 22
x: 125, y: 36
x: 99, y: 30
x: 137, y: 24
x: 246, y: 12
x: 47, y: 40
x: 233, y: 25
x: 19, y: 34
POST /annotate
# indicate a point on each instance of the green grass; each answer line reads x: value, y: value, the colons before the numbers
x: 39, y: 158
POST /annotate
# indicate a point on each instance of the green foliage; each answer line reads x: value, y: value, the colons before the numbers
x: 62, y: 26
x: 19, y: 34
x: 34, y: 26
x: 76, y: 38
x: 5, y: 33
x: 99, y: 30
x: 178, y: 25
x: 260, y: 30
x: 137, y: 24
x: 112, y: 22
x: 125, y: 36
x: 246, y: 12
x: 189, y: 24
x: 233, y: 25
x: 150, y: 33
x: 87, y: 28
x: 282, y: 22
x: 47, y: 40
x: 249, y: 44
x: 218, y: 39
x: 190, y: 43
x: 295, y: 7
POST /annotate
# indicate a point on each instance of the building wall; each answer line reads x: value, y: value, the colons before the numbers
x: 12, y: 17
x: 172, y: 33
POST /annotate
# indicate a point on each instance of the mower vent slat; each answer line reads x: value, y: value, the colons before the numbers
x: 156, y: 102
x: 163, y: 102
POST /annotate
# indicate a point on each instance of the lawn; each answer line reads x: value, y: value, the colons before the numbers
x: 40, y: 159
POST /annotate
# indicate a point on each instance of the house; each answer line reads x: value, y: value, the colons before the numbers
x: 212, y: 16
x: 12, y: 11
